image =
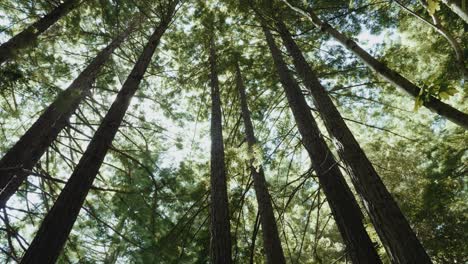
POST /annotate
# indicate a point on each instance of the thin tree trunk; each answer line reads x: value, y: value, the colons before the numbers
x: 437, y: 26
x: 457, y: 9
x: 115, y: 248
x: 28, y: 36
x: 271, y: 239
x: 385, y: 72
x: 344, y: 207
x: 220, y: 226
x: 394, y: 230
x: 54, y: 230
x: 32, y: 145
x: 254, y: 238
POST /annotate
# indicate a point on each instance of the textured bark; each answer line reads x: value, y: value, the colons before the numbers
x: 220, y: 226
x: 344, y: 207
x: 32, y: 145
x: 54, y: 230
x: 457, y: 9
x: 29, y: 35
x: 391, y: 225
x: 396, y: 79
x: 271, y: 240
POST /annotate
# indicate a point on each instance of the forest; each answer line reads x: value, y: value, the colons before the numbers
x: 234, y: 131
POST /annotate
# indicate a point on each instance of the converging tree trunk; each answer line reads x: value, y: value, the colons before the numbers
x: 344, y: 207
x: 28, y: 36
x: 54, y: 230
x: 394, y: 230
x: 385, y: 72
x: 457, y: 9
x: 31, y: 146
x: 271, y: 239
x: 220, y: 226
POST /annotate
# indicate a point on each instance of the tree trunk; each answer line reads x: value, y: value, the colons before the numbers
x: 394, y: 230
x: 32, y: 145
x: 343, y: 205
x: 437, y: 26
x: 116, y: 246
x: 28, y: 36
x: 385, y: 72
x: 271, y: 240
x: 54, y: 230
x: 220, y: 226
x: 457, y: 9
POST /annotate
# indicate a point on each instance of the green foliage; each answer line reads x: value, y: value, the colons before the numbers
x: 433, y: 6
x: 150, y: 202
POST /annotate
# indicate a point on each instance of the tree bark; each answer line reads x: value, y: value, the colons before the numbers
x: 28, y: 36
x: 32, y: 145
x: 271, y: 239
x: 54, y: 230
x: 434, y: 104
x: 396, y: 234
x: 344, y: 207
x: 220, y: 226
x: 457, y: 9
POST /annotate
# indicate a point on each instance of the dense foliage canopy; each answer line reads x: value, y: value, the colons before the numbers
x: 150, y: 201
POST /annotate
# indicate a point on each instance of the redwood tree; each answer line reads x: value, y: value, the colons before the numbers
x: 271, y: 239
x: 434, y: 104
x: 22, y: 157
x: 220, y: 226
x: 344, y: 207
x: 54, y: 230
x: 29, y: 35
x: 394, y: 230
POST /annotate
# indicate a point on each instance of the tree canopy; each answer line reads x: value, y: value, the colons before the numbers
x: 177, y: 129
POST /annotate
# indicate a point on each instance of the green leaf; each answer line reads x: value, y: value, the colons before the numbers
x: 433, y: 6
x: 418, y: 103
x: 447, y: 92
x: 444, y: 95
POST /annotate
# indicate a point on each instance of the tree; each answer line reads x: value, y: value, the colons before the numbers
x: 340, y: 198
x: 21, y: 158
x: 150, y: 200
x: 271, y: 240
x: 388, y: 220
x: 220, y: 226
x: 386, y: 73
x: 56, y: 226
x: 437, y: 26
x: 457, y: 9
x: 28, y: 36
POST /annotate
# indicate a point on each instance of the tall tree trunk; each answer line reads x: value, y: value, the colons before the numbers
x: 457, y: 9
x: 54, y: 230
x: 32, y: 145
x: 344, y: 207
x: 220, y: 226
x: 396, y: 79
x: 394, y: 230
x: 28, y: 36
x: 271, y: 239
